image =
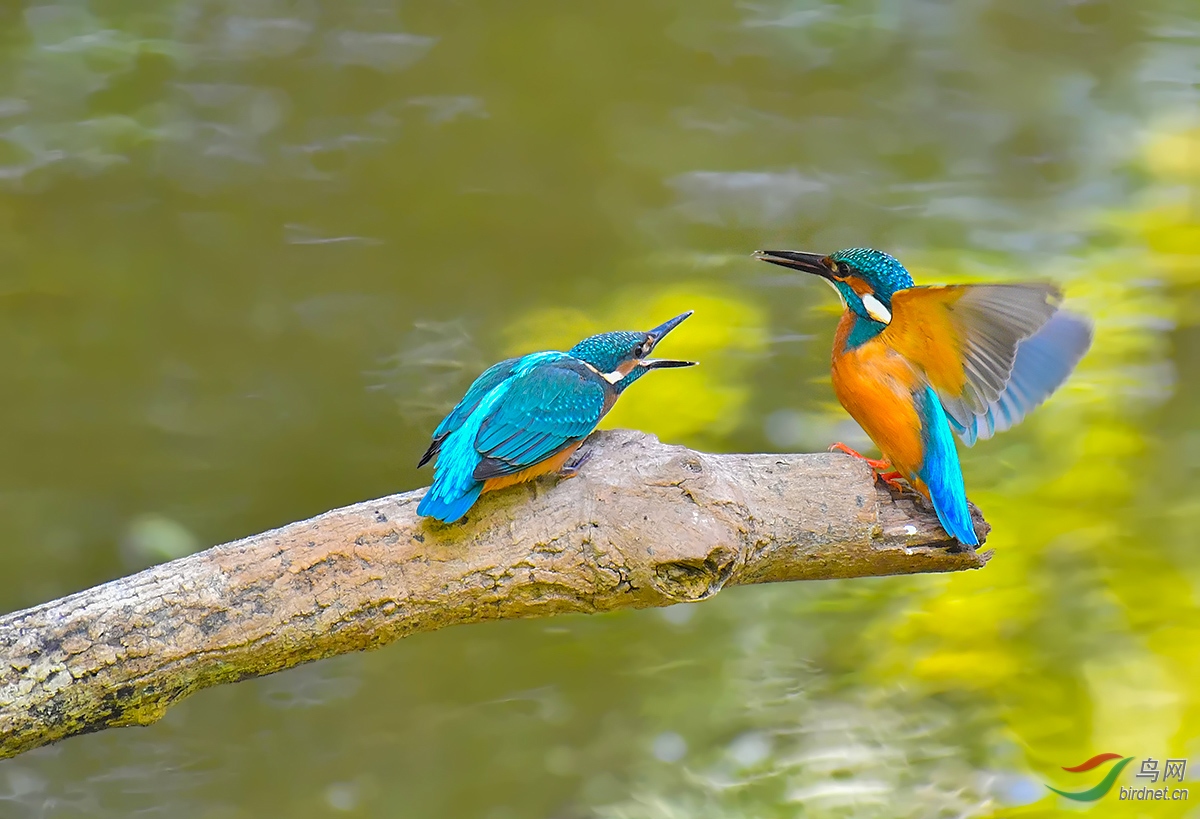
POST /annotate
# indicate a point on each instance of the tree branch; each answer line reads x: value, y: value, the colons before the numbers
x: 643, y: 525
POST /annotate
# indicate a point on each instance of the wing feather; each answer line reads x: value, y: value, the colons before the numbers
x: 991, y: 351
x: 488, y: 380
x: 544, y: 410
x: 1042, y: 363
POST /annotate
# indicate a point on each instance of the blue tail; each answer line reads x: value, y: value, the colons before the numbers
x: 941, y: 470
x: 448, y: 506
x: 454, y: 489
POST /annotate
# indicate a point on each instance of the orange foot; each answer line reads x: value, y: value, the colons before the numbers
x: 871, y: 462
x: 894, y: 480
x: 883, y: 469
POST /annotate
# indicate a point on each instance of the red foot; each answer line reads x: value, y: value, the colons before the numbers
x: 894, y: 480
x: 883, y: 469
x: 871, y: 462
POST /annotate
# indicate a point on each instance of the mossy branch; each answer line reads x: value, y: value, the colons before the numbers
x: 644, y: 524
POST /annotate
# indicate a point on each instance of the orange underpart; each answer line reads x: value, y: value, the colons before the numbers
x: 552, y: 464
x: 876, y: 387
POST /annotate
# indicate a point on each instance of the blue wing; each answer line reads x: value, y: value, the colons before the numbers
x: 941, y: 470
x: 1041, y: 364
x: 454, y: 488
x: 492, y: 377
x: 543, y: 403
x: 544, y: 410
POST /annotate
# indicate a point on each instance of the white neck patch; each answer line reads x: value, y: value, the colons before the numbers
x: 611, y: 378
x: 876, y: 310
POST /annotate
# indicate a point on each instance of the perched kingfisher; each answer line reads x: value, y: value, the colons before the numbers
x: 524, y: 417
x: 913, y: 364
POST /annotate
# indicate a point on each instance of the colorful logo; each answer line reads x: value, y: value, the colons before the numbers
x: 1104, y: 785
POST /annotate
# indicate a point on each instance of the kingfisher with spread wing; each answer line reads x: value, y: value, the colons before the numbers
x: 914, y: 364
x: 526, y: 416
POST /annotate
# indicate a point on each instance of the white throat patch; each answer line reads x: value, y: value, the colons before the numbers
x: 837, y: 290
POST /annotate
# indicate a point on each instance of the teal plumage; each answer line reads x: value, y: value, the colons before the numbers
x: 491, y: 378
x: 551, y: 405
x: 887, y: 273
x: 916, y: 366
x: 941, y: 470
x: 889, y: 276
x: 456, y: 487
x: 522, y: 416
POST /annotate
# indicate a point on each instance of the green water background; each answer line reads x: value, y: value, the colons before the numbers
x: 250, y: 251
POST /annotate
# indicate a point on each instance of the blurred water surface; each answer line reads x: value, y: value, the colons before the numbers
x: 250, y: 251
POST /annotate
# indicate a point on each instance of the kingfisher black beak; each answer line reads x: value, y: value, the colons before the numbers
x: 797, y: 260
x: 659, y: 332
x: 665, y: 363
x: 657, y: 335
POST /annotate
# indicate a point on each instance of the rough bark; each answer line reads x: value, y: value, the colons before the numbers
x: 644, y: 524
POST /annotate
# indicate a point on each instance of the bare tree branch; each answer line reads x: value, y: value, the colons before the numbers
x: 643, y: 525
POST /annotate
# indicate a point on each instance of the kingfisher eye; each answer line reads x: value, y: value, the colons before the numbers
x: 644, y: 348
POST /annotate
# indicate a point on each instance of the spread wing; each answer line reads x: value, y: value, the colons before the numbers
x: 1043, y: 362
x: 491, y: 378
x: 544, y: 410
x: 992, y: 352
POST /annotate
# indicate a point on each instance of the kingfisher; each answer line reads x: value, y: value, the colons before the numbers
x: 526, y: 416
x: 914, y: 364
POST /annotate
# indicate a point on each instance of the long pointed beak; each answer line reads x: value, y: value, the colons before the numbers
x: 797, y: 259
x: 661, y: 330
x: 665, y: 363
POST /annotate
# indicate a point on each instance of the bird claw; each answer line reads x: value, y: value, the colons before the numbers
x: 883, y: 470
x: 877, y: 465
x: 895, y: 481
x: 572, y: 469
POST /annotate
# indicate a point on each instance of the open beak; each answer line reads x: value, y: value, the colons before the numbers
x: 665, y: 363
x: 797, y: 259
x: 657, y: 335
x: 659, y: 332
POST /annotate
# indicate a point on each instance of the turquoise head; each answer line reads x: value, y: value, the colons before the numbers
x: 623, y: 357
x: 866, y: 279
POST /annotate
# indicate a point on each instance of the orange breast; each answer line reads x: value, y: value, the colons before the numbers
x: 551, y: 464
x: 875, y: 385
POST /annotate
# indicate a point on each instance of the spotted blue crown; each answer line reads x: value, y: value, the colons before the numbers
x: 884, y: 273
x: 607, y: 351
